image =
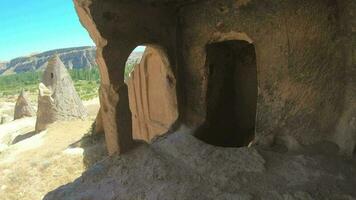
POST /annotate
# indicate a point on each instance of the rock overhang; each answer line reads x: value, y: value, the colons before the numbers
x: 299, y: 49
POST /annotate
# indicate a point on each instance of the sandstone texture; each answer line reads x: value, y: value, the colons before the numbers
x: 265, y: 93
x: 179, y: 166
x: 57, y: 99
x: 152, y: 95
x: 23, y: 107
x: 77, y: 58
x: 98, y: 124
x: 304, y: 58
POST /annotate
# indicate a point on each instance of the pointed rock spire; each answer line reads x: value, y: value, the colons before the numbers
x: 58, y: 99
x: 23, y: 107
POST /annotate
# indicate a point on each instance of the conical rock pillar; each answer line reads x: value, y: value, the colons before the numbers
x: 58, y: 99
x: 23, y: 107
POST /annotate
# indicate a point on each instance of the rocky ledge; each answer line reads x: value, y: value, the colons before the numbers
x: 178, y: 166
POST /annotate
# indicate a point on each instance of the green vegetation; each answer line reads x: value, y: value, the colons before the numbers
x: 86, y: 82
x: 14, y: 83
x: 85, y: 74
x: 128, y: 69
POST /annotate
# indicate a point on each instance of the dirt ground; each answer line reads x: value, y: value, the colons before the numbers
x: 34, y: 166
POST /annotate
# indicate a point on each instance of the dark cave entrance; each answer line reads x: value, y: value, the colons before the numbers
x: 231, y: 95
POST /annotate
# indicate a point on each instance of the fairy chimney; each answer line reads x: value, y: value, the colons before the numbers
x: 58, y: 99
x: 23, y: 107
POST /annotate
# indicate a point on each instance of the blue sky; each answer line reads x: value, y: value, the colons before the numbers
x: 32, y: 26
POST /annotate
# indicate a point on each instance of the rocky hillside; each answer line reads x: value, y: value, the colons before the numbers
x: 73, y: 58
x: 77, y: 57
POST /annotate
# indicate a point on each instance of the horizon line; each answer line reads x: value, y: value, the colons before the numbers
x: 137, y: 49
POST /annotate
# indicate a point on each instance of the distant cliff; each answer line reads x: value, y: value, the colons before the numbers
x: 73, y: 58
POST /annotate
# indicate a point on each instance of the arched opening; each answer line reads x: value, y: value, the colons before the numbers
x: 231, y: 94
x: 152, y: 92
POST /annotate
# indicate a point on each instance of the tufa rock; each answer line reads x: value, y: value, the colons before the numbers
x: 152, y: 95
x: 302, y: 54
x: 179, y: 166
x: 58, y: 99
x: 23, y: 107
x: 98, y: 124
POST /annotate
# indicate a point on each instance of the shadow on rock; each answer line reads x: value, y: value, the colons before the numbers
x: 19, y: 138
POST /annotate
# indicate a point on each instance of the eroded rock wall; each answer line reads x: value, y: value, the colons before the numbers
x: 305, y: 69
x: 152, y: 95
x: 117, y: 27
x: 299, y: 62
x: 345, y: 135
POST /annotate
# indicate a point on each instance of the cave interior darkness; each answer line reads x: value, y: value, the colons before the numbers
x: 231, y: 95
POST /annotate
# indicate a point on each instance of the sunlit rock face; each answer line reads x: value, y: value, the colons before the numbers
x: 304, y: 63
x: 23, y: 107
x: 58, y: 99
x: 152, y: 95
x: 254, y: 73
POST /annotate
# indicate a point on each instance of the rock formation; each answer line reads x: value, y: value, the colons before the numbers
x: 98, y: 124
x: 152, y: 95
x: 72, y: 58
x: 77, y: 57
x: 303, y: 56
x: 23, y: 107
x: 180, y: 166
x: 274, y: 81
x: 58, y: 99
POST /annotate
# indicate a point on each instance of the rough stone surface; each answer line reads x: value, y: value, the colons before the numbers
x: 179, y: 166
x: 152, y: 95
x: 57, y: 99
x: 98, y: 124
x: 346, y: 129
x: 306, y: 92
x: 23, y: 107
x: 304, y: 56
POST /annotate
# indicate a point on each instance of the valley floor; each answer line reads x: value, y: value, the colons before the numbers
x: 175, y: 166
x: 33, y: 164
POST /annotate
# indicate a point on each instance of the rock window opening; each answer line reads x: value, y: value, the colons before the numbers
x: 52, y: 75
x: 133, y: 60
x: 152, y: 92
x: 231, y: 94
